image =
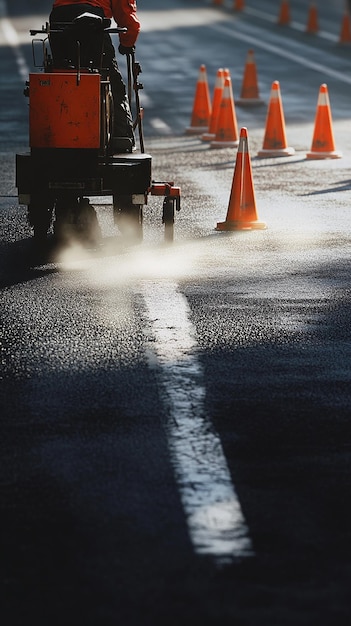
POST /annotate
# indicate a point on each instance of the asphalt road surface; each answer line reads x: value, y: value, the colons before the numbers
x: 175, y: 419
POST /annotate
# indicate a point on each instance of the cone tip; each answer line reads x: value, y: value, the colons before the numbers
x: 243, y: 132
x: 323, y: 87
x: 275, y: 84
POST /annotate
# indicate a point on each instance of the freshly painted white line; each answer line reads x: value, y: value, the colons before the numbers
x: 216, y: 524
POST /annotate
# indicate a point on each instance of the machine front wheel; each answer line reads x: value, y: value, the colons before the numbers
x: 76, y: 219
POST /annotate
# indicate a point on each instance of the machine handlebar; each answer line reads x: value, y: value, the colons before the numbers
x: 45, y: 30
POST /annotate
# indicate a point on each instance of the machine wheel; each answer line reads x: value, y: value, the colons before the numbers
x: 107, y: 116
x: 86, y: 223
x: 76, y: 219
x: 39, y: 216
x: 168, y: 218
x: 128, y: 217
x: 64, y: 219
x: 169, y: 231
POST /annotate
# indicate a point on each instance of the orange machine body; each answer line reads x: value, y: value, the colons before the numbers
x: 64, y: 110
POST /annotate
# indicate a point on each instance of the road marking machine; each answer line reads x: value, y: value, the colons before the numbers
x: 72, y: 157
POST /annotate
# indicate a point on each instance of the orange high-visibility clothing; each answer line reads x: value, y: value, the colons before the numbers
x: 124, y: 12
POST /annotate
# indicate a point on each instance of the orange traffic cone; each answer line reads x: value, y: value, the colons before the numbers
x: 274, y: 142
x: 345, y: 32
x: 201, y: 113
x: 216, y: 103
x: 227, y: 128
x: 284, y: 13
x: 312, y: 20
x: 249, y: 90
x: 239, y: 5
x: 242, y: 213
x: 323, y: 145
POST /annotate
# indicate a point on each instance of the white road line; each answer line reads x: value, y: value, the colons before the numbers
x: 254, y: 40
x: 158, y: 124
x: 11, y: 37
x: 215, y: 520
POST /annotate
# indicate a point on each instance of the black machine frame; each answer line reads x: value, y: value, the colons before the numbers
x: 56, y: 183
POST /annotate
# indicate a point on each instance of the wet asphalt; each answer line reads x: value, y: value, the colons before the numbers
x: 239, y: 343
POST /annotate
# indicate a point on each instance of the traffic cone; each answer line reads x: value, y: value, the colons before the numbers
x: 249, y: 95
x: 227, y: 128
x: 216, y: 103
x: 345, y: 31
x: 312, y: 20
x: 201, y: 113
x: 284, y: 13
x: 239, y: 5
x: 323, y: 145
x: 242, y: 213
x: 274, y: 142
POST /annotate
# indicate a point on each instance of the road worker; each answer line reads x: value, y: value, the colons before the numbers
x: 124, y: 12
